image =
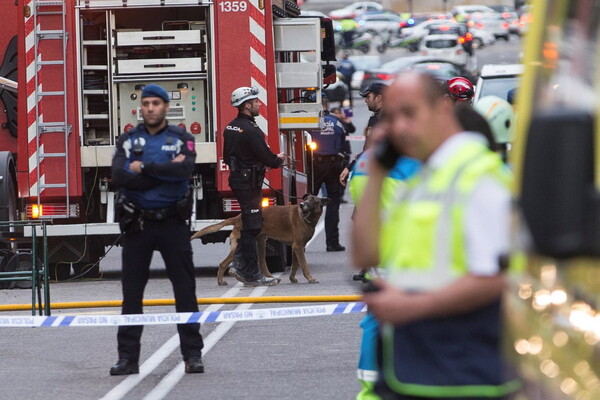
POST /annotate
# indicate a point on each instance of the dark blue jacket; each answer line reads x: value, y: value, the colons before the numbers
x: 330, y: 140
x: 346, y: 68
x: 162, y: 181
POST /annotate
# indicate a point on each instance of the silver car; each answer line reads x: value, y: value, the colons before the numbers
x: 491, y: 22
x: 380, y: 23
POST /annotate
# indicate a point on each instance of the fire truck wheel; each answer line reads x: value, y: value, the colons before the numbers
x: 20, y: 261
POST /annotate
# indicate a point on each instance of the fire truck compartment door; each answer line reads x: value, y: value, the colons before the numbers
x: 157, y: 38
x: 149, y: 66
x: 297, y: 75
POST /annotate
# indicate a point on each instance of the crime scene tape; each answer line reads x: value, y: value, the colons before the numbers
x: 358, y: 137
x: 181, y: 318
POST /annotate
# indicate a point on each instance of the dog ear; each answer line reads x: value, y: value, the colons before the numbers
x: 305, y: 196
x: 325, y: 201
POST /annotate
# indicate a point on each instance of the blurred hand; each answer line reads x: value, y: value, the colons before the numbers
x: 283, y: 156
x: 344, y: 176
x: 392, y: 305
x: 179, y: 158
x: 135, y: 166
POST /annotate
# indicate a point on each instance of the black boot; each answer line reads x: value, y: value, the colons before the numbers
x: 125, y: 367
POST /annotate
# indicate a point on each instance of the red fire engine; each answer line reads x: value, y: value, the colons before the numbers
x: 70, y: 81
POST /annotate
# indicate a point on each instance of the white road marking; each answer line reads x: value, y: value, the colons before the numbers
x: 119, y: 391
x: 167, y: 384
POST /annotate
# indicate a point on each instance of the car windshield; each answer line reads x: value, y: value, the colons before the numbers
x: 362, y: 63
x: 498, y: 86
x: 440, y: 43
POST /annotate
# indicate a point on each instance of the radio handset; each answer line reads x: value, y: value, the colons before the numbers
x: 385, y: 154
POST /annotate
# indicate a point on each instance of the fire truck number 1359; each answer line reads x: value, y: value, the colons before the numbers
x: 233, y: 6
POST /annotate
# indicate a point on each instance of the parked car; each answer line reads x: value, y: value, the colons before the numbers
x: 502, y: 8
x: 509, y: 14
x: 497, y: 80
x: 441, y: 69
x: 482, y: 38
x: 491, y: 22
x: 445, y: 47
x: 380, y: 23
x: 464, y: 13
x: 361, y: 64
x: 465, y: 38
x: 355, y: 10
x: 410, y: 38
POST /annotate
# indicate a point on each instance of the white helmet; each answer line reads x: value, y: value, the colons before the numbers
x: 499, y: 115
x: 241, y: 94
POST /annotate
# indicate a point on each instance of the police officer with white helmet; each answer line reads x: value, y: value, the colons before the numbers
x: 247, y: 154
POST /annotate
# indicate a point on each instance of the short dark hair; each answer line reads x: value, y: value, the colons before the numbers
x: 335, y: 110
x: 434, y: 89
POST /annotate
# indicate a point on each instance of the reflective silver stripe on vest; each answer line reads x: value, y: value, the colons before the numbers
x: 367, y: 375
x: 440, y: 274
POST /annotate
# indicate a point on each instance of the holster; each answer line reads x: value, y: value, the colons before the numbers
x: 257, y: 176
x: 128, y: 215
x: 184, y: 206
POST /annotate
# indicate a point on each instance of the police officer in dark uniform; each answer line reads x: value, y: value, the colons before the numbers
x: 373, y: 95
x: 328, y: 161
x: 247, y: 154
x: 151, y: 167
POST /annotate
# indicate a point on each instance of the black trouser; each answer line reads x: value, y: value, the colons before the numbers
x: 252, y: 222
x: 348, y: 82
x: 327, y: 171
x: 171, y: 237
x: 348, y: 36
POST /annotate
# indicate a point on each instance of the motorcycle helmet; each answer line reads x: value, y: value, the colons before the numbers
x: 241, y: 94
x: 460, y: 89
x: 499, y: 115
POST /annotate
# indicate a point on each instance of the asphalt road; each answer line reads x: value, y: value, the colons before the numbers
x: 301, y: 358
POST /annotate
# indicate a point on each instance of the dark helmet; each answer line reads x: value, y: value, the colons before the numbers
x: 460, y: 89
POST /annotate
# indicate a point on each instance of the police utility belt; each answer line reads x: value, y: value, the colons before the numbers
x: 328, y: 157
x: 253, y: 175
x: 131, y: 217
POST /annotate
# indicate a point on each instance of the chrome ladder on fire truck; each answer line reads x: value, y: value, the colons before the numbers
x: 44, y: 10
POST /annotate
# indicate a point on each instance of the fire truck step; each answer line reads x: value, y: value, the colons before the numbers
x: 52, y: 185
x: 50, y: 34
x: 51, y: 127
x: 57, y: 93
x: 49, y: 13
x: 52, y: 155
x: 52, y: 62
x: 41, y: 3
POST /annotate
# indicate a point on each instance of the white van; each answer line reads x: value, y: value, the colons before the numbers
x: 445, y: 47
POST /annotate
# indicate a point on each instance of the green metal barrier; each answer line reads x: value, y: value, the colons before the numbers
x: 28, y: 239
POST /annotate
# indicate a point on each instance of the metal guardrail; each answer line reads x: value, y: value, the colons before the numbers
x: 11, y: 234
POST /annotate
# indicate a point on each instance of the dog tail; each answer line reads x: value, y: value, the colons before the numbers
x: 214, y: 228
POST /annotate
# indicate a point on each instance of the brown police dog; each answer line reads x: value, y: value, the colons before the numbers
x: 292, y: 224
